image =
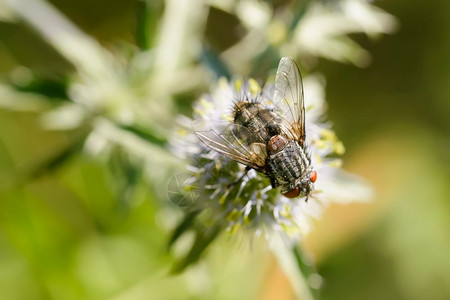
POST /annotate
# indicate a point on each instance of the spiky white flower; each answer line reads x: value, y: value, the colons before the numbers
x: 251, y: 202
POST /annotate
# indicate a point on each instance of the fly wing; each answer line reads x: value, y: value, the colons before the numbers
x: 288, y: 97
x: 234, y: 141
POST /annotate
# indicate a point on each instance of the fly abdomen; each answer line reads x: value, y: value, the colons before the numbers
x: 287, y: 165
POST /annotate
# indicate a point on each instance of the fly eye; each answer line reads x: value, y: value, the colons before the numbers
x: 292, y: 193
x: 313, y: 176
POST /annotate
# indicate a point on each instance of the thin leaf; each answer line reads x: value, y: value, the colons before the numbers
x: 202, y: 240
x: 86, y: 54
x: 144, y: 133
x: 143, y: 20
x: 184, y: 226
x: 54, y: 162
x: 213, y: 62
x: 299, y: 13
x: 292, y: 267
x: 53, y: 89
x: 308, y: 268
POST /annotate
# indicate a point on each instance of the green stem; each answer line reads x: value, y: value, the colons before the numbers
x: 142, y: 30
x: 294, y: 266
x: 306, y: 265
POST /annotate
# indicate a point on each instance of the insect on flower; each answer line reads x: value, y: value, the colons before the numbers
x: 270, y: 140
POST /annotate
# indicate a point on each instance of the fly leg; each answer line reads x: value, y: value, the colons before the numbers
x: 239, y: 179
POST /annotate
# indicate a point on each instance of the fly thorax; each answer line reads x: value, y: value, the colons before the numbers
x: 244, y: 112
x: 260, y: 121
x: 276, y: 144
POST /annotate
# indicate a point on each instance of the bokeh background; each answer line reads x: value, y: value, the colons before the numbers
x: 84, y: 163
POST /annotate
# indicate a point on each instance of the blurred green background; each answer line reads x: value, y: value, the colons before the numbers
x: 77, y: 225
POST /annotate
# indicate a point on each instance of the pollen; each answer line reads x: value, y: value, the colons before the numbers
x: 328, y: 135
x: 237, y: 85
x: 205, y: 106
x: 182, y: 132
x: 337, y: 163
x: 227, y: 117
x: 254, y: 87
x: 286, y: 211
x: 321, y: 144
x: 235, y: 228
x: 233, y: 215
x: 339, y: 148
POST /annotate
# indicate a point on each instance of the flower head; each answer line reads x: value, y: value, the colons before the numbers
x: 236, y: 197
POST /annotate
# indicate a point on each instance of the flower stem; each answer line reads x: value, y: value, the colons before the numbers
x: 295, y: 267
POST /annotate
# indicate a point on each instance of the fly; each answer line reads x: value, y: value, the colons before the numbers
x: 270, y: 140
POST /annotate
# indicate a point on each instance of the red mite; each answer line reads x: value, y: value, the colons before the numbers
x: 271, y: 140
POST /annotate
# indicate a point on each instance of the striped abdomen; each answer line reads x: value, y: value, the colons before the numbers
x: 287, y: 166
